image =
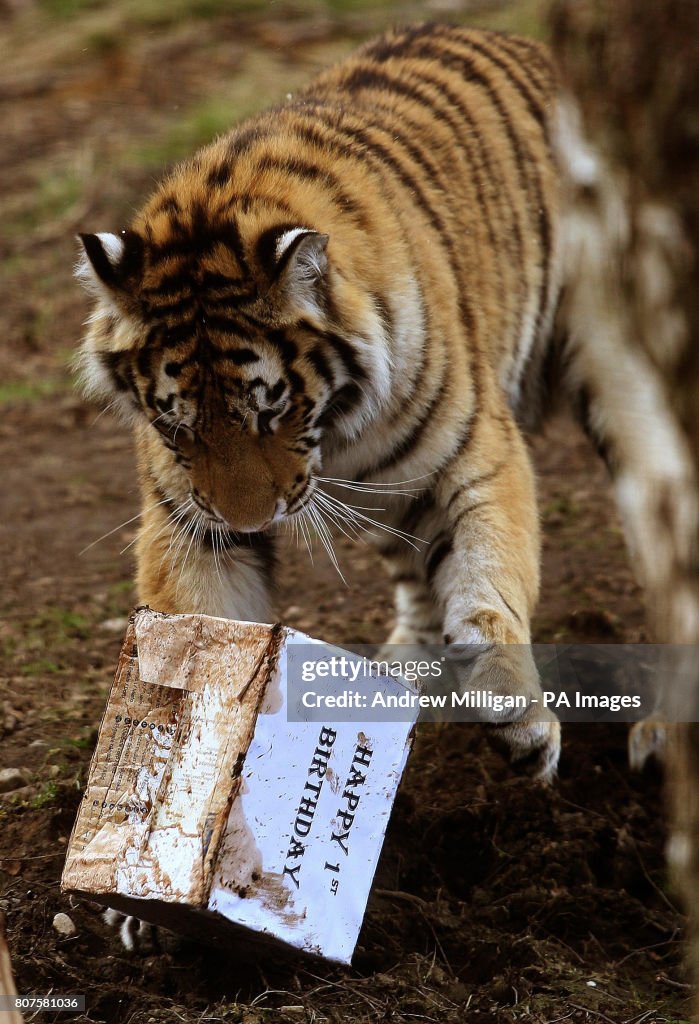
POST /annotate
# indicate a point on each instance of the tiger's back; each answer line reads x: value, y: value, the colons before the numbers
x: 458, y: 122
x: 425, y: 158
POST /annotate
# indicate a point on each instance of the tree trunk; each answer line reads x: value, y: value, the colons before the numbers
x: 632, y: 66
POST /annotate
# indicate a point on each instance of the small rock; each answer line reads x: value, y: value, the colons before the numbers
x: 19, y: 796
x: 10, y: 717
x: 64, y: 925
x: 13, y: 778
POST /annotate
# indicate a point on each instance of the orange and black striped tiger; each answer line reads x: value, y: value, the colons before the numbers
x: 355, y: 289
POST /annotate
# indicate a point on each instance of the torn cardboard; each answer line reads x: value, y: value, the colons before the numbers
x: 208, y: 812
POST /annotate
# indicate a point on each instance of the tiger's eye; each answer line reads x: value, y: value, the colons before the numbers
x: 177, y: 434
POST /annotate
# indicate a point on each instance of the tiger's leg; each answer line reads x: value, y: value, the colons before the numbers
x: 483, y: 566
x: 418, y: 617
x: 177, y: 572
x: 624, y: 264
x: 174, y: 575
x: 622, y: 405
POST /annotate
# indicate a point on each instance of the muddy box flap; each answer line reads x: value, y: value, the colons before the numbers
x: 178, y: 721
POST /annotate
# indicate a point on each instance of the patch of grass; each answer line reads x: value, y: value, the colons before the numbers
x: 43, y: 643
x: 57, y: 194
x: 46, y: 795
x: 158, y: 13
x: 8, y: 646
x: 195, y: 129
x: 86, y: 742
x: 68, y: 8
x: 524, y: 18
x: 202, y: 123
x: 349, y: 6
x: 121, y: 587
x: 64, y: 763
x: 17, y: 263
x: 104, y: 41
x: 563, y: 508
x: 32, y: 390
x: 70, y: 622
x: 121, y: 597
x: 154, y: 13
x: 139, y: 14
x: 41, y: 322
x: 40, y: 667
x: 52, y: 197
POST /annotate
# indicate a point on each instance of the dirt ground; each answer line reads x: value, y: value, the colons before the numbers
x: 494, y: 899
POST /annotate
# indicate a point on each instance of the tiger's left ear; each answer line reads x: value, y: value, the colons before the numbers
x: 300, y: 267
x: 109, y: 262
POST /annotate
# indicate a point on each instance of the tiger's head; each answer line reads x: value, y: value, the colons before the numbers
x: 237, y: 349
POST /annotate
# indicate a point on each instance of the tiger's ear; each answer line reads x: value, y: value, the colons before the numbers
x: 298, y: 265
x: 109, y: 262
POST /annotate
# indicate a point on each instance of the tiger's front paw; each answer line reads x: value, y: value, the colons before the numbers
x: 133, y: 933
x: 513, y: 708
x: 533, y: 746
x: 648, y: 741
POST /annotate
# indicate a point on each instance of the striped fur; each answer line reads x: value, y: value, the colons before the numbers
x: 360, y: 284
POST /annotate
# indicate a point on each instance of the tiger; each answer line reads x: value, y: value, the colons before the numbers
x: 365, y: 287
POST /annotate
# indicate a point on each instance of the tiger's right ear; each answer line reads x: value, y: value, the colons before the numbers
x: 109, y: 262
x: 295, y: 260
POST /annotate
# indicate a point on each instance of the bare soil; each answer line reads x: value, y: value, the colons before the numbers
x: 495, y: 899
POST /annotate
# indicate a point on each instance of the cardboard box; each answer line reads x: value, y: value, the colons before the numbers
x: 208, y: 812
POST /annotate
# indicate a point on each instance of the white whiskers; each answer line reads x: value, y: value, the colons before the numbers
x: 378, y: 487
x: 356, y: 515
x: 325, y: 510
x: 122, y: 525
x: 317, y: 517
